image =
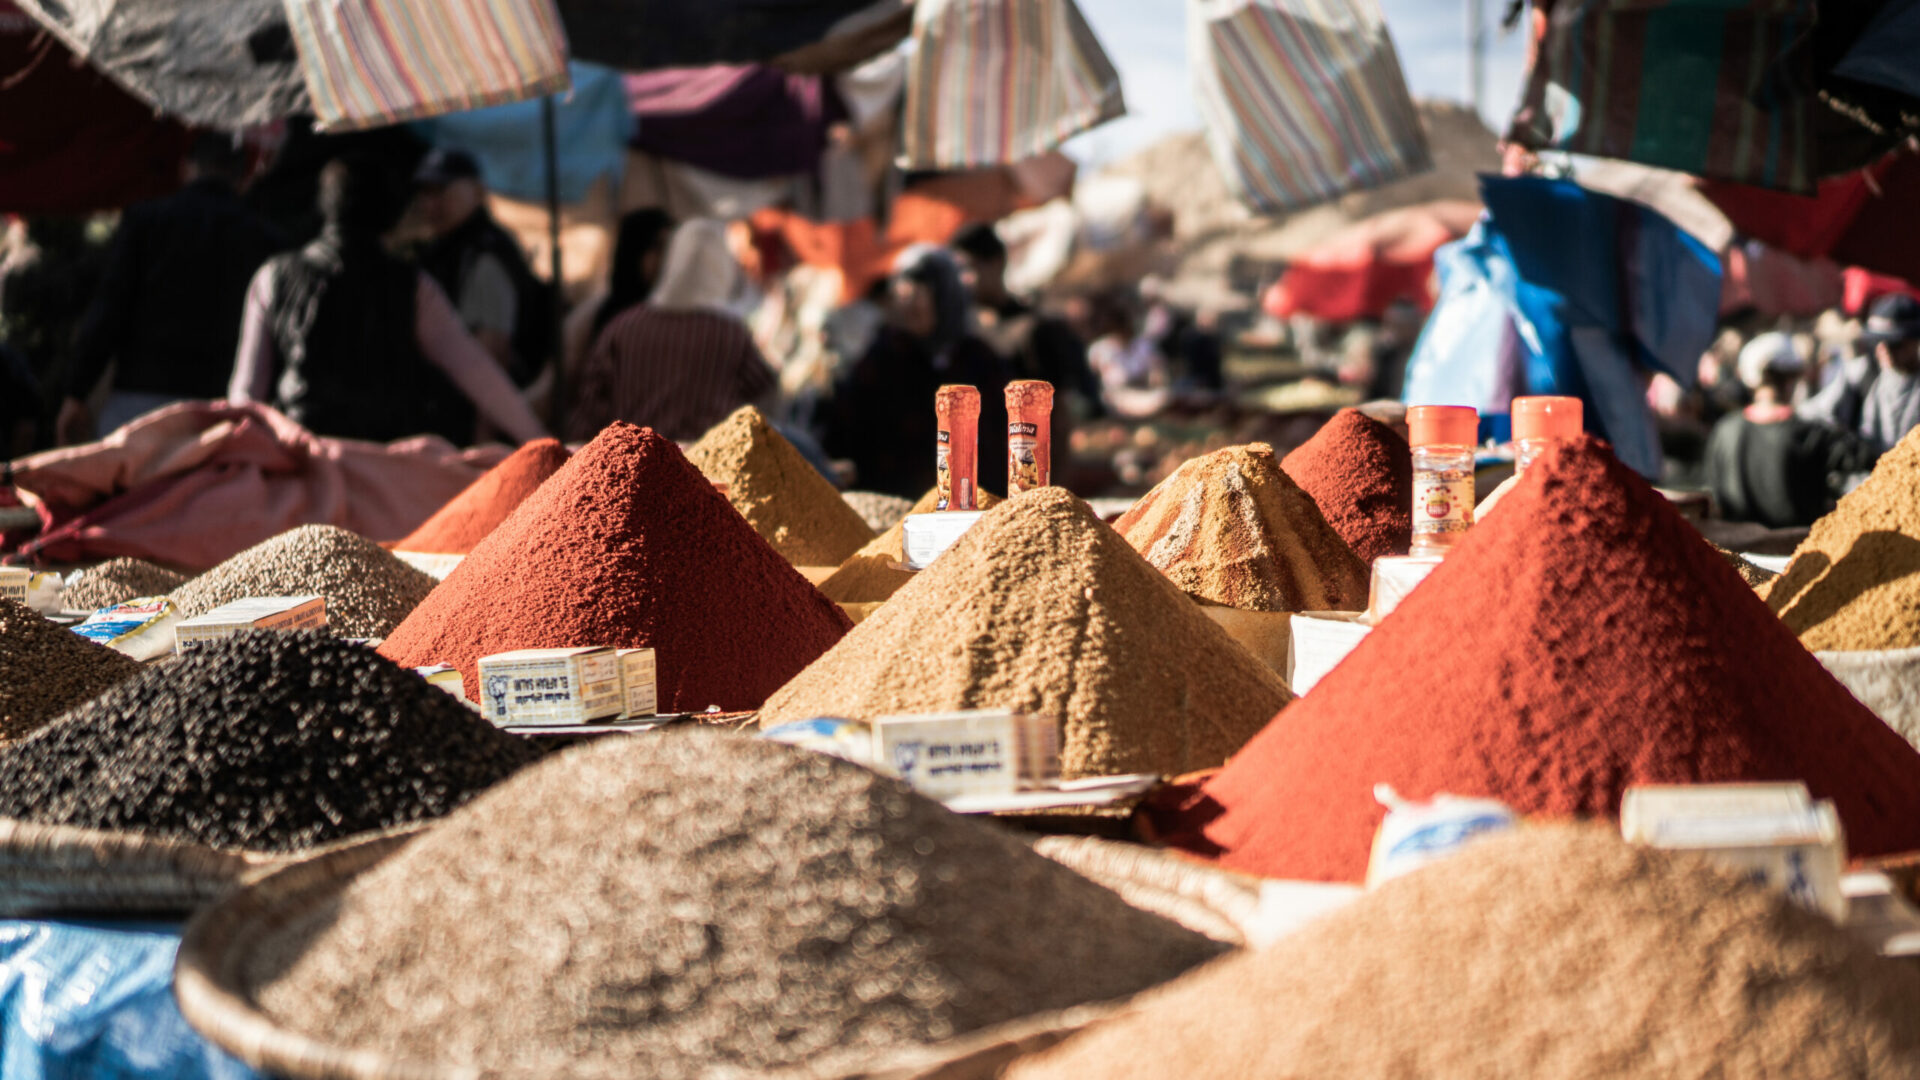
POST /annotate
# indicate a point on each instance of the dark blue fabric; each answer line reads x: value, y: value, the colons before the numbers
x: 1885, y: 51
x: 591, y: 129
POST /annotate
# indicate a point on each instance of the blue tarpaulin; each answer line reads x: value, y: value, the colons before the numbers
x: 591, y: 128
x: 94, y: 1001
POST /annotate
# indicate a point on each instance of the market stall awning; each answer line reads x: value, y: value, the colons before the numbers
x: 1869, y: 218
x: 1371, y: 264
x: 644, y: 35
x: 740, y: 120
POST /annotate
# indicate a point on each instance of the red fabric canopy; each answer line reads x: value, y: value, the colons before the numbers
x: 1372, y: 263
x: 1867, y: 218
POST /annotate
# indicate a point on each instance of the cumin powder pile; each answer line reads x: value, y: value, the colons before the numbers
x: 1230, y: 528
x: 778, y: 491
x: 869, y: 577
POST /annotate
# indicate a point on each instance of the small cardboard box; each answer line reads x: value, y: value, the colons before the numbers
x: 1320, y: 640
x: 1775, y: 834
x: 639, y: 683
x: 981, y: 751
x: 550, y: 687
x: 13, y: 583
x: 252, y: 613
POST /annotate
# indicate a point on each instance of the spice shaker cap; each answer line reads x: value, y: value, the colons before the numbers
x: 1546, y: 417
x: 1029, y: 394
x: 1443, y: 425
x: 957, y: 400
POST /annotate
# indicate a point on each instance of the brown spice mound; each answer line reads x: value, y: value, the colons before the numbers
x: 1749, y: 573
x: 117, y: 581
x: 368, y: 589
x: 46, y: 669
x: 1043, y: 608
x: 1230, y: 528
x: 1360, y: 474
x: 869, y: 577
x: 1854, y: 582
x: 1551, y: 951
x: 778, y: 491
x: 722, y: 906
x: 468, y: 517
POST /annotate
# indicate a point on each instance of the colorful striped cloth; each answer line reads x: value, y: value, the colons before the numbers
x: 992, y: 82
x: 1716, y: 88
x: 1303, y: 100
x: 369, y: 63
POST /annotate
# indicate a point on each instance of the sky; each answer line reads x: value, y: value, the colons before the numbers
x: 1147, y: 40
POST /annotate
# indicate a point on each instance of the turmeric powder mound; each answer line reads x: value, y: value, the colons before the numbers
x: 1230, y: 528
x: 1043, y: 608
x: 1854, y: 582
x: 778, y: 491
x: 869, y: 577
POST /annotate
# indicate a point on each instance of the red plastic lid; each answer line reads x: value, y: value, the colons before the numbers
x: 1443, y: 425
x: 1546, y: 417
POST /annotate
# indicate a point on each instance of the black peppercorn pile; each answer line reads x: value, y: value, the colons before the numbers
x: 47, y: 669
x: 269, y: 741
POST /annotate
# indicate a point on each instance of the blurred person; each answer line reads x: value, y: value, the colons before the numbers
x: 683, y: 360
x: 1133, y: 373
x: 1400, y: 327
x: 19, y: 403
x: 1890, y: 405
x: 1033, y: 344
x: 639, y: 248
x: 1768, y: 466
x: 881, y: 417
x: 167, y: 312
x: 343, y: 336
x: 1190, y: 342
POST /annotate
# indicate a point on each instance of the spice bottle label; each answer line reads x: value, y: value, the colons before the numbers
x: 1442, y: 504
x: 1023, y: 456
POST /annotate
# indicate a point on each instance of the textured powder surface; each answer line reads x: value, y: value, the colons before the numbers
x: 869, y: 577
x: 1581, y: 639
x: 1043, y: 608
x: 269, y: 740
x: 1749, y: 573
x: 1854, y: 582
x: 789, y: 503
x: 1553, y: 951
x: 117, y: 581
x: 469, y: 516
x: 368, y: 589
x: 880, y: 512
x: 1360, y: 474
x: 1231, y: 528
x: 708, y: 905
x: 629, y: 546
x: 47, y: 669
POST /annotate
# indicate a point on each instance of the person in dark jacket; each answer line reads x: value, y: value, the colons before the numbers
x: 1768, y: 466
x: 167, y: 313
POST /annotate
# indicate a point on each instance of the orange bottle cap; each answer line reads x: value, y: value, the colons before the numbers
x: 1443, y: 425
x: 957, y: 400
x: 1547, y: 418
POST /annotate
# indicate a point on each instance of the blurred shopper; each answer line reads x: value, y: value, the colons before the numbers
x: 167, y: 312
x: 683, y: 360
x: 639, y: 250
x: 343, y: 337
x: 1891, y: 405
x: 1766, y: 465
x: 1033, y: 345
x: 1132, y: 371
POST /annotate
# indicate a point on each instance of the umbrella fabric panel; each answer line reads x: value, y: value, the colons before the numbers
x: 1867, y: 219
x: 369, y: 63
x: 745, y: 121
x: 993, y: 82
x: 644, y: 35
x: 591, y: 128
x: 221, y: 64
x: 1303, y: 100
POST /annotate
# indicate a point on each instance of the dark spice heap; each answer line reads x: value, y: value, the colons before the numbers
x: 1230, y: 528
x: 368, y: 589
x: 1551, y: 951
x: 268, y: 741
x: 1360, y: 474
x: 1854, y: 582
x: 628, y: 545
x: 702, y: 905
x: 1043, y: 608
x: 1581, y: 640
x: 469, y: 516
x: 117, y: 581
x: 869, y: 577
x: 786, y: 499
x: 46, y: 669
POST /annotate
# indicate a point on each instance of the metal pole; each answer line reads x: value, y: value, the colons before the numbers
x: 1476, y: 54
x: 557, y: 405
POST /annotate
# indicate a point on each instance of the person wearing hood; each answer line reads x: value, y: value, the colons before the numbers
x: 882, y: 415
x: 682, y: 361
x: 346, y: 339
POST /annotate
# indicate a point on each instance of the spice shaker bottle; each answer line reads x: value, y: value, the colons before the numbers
x: 957, y: 454
x: 1539, y: 422
x: 1029, y: 435
x: 1443, y: 438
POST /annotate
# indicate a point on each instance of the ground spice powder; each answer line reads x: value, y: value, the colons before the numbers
x: 1231, y: 528
x: 46, y: 669
x: 1043, y: 608
x: 1554, y: 951
x: 368, y: 589
x: 628, y: 545
x: 1581, y: 639
x: 1360, y: 474
x: 1854, y: 582
x: 703, y: 905
x: 1753, y: 575
x: 785, y: 498
x: 468, y: 517
x: 869, y: 577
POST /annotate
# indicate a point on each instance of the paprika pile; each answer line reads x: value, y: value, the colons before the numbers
x: 1360, y: 474
x: 468, y: 517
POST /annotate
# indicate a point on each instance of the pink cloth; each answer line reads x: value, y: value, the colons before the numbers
x: 197, y: 482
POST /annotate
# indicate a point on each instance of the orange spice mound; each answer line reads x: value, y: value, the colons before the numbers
x: 869, y: 577
x: 468, y: 517
x: 1360, y: 474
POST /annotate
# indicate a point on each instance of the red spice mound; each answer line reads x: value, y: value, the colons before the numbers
x: 1580, y: 639
x: 468, y: 517
x: 628, y: 545
x: 1360, y: 473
